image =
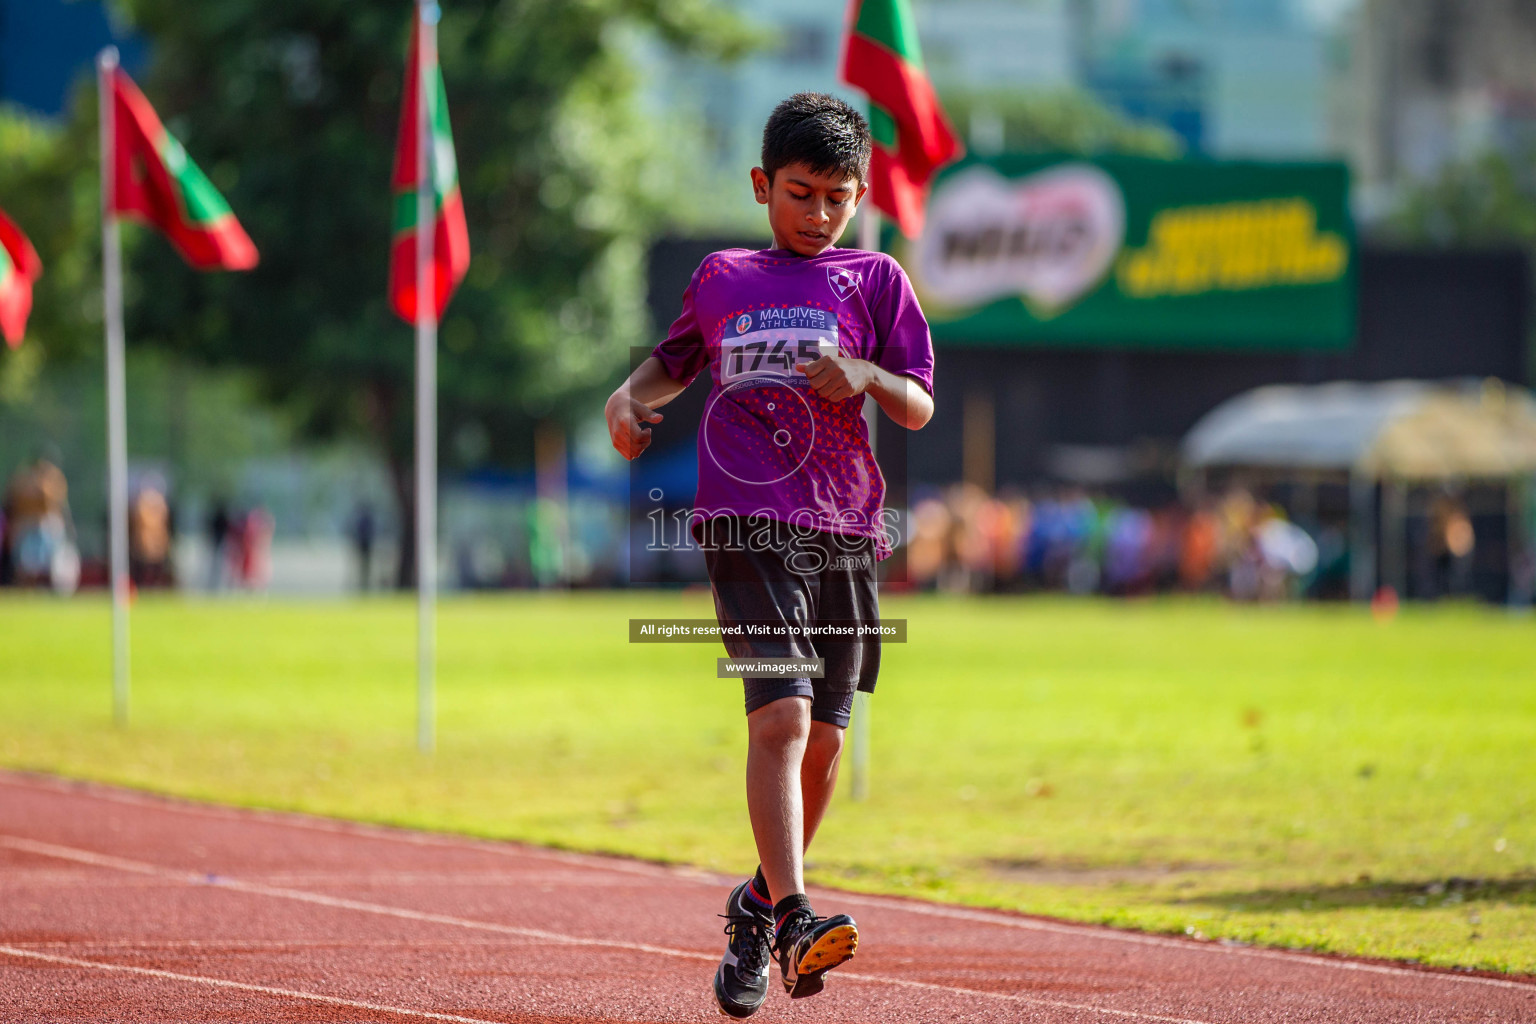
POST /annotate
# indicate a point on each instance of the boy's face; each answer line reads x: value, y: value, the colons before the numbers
x: 807, y: 211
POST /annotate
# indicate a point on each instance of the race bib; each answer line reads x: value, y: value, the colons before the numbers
x: 770, y: 343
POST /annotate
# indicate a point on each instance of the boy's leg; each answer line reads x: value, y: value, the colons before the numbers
x: 777, y: 735
x: 846, y: 595
x: 808, y: 946
x: 818, y: 774
x: 778, y: 720
x: 783, y: 744
x: 753, y: 583
x: 788, y: 789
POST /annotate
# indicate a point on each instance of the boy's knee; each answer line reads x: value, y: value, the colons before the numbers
x: 783, y: 723
x: 825, y: 744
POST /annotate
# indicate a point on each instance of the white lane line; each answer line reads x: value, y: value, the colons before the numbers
x: 102, y: 860
x: 83, y: 946
x: 1136, y: 938
x: 361, y: 830
x: 1011, y: 997
x: 289, y: 993
x: 364, y: 879
x: 356, y: 829
x: 219, y: 882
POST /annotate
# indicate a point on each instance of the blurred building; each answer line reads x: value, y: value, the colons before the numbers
x: 1438, y: 80
x: 969, y: 44
x: 1233, y: 78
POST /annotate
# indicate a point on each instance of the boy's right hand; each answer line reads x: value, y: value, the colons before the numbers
x: 625, y: 416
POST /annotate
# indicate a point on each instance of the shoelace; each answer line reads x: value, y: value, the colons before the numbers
x: 796, y: 925
x: 748, y: 932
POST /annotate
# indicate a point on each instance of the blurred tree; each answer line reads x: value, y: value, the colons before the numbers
x: 291, y: 107
x: 1487, y: 200
x: 48, y: 186
x: 1056, y: 121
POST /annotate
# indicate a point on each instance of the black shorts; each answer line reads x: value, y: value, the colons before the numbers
x: 763, y: 571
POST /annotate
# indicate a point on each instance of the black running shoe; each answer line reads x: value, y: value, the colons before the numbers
x: 810, y: 946
x: 741, y: 983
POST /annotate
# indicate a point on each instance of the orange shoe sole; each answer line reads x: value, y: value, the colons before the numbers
x: 836, y: 947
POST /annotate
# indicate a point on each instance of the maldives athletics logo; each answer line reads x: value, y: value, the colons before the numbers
x: 844, y: 282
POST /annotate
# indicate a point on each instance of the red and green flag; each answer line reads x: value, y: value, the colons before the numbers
x: 19, y: 267
x: 913, y: 139
x: 450, y: 233
x: 154, y: 180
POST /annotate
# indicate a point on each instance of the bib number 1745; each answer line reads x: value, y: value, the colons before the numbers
x: 761, y: 354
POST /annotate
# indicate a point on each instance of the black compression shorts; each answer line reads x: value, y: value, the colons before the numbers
x: 764, y: 572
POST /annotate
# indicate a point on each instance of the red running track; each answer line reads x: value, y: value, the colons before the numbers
x: 117, y: 906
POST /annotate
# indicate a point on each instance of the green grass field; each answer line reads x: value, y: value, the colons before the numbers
x: 1294, y: 776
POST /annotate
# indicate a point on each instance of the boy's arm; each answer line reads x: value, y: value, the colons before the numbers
x: 904, y: 400
x: 634, y: 403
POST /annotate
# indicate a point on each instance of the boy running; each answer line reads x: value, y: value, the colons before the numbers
x: 789, y: 508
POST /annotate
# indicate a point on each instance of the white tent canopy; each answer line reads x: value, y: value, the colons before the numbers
x: 1397, y: 434
x: 1406, y: 430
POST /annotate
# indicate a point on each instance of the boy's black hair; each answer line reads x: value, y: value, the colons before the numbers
x: 820, y: 131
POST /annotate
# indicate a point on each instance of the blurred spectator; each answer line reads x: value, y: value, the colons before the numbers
x: 149, y: 536
x: 219, y: 524
x: 1167, y: 529
x: 38, y: 539
x: 1287, y: 557
x: 970, y: 558
x: 254, y: 548
x: 1198, y: 547
x: 1451, y: 541
x: 927, y: 550
x: 1127, y: 550
x: 363, y: 530
x: 1522, y: 584
x: 964, y: 539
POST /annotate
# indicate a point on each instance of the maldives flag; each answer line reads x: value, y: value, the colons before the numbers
x: 912, y: 137
x: 450, y: 234
x: 154, y: 181
x: 19, y: 267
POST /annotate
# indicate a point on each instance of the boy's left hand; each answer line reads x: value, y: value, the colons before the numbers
x: 837, y: 377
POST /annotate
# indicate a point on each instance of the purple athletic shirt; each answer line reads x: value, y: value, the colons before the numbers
x: 768, y: 444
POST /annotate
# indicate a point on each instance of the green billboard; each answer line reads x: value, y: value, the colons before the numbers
x: 1127, y: 252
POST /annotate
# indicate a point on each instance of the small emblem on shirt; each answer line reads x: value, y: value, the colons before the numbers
x: 744, y: 323
x: 843, y: 282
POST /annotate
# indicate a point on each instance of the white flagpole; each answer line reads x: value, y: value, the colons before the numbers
x: 869, y: 240
x: 869, y: 228
x: 117, y: 426
x: 427, y: 13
